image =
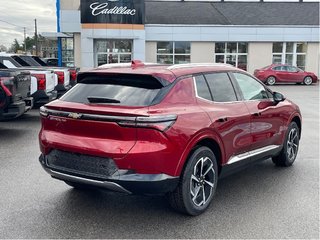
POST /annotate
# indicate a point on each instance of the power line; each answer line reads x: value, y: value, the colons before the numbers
x: 24, y: 32
x: 11, y: 24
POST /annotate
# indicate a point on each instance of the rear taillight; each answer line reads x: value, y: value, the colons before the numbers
x: 73, y: 75
x: 160, y: 123
x: 60, y: 77
x: 44, y: 111
x: 41, y: 79
x: 7, y: 84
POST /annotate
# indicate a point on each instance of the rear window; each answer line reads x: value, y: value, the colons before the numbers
x: 116, y: 90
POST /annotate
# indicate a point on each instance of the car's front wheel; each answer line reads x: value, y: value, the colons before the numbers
x: 198, y: 183
x: 307, y: 80
x: 271, y: 80
x: 290, y: 148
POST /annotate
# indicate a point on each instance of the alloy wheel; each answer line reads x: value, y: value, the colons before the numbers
x: 202, y: 181
x: 307, y: 81
x: 271, y: 80
x: 292, y: 144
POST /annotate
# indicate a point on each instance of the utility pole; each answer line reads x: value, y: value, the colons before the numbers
x: 36, y: 35
x: 25, y: 41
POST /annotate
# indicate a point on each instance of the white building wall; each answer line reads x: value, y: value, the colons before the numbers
x: 69, y: 4
x: 151, y: 52
x: 70, y: 21
x: 77, y: 45
x: 202, y: 52
x: 259, y: 55
x: 313, y: 58
x: 205, y: 33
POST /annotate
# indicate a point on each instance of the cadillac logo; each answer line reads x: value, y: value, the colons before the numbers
x: 75, y: 115
x: 105, y: 9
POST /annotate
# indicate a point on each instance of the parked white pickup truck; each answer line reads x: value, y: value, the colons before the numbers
x: 63, y: 74
x: 43, y: 81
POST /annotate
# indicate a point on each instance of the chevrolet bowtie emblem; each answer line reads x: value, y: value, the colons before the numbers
x: 75, y: 115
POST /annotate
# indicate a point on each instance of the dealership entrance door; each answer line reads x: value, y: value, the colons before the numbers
x: 113, y: 51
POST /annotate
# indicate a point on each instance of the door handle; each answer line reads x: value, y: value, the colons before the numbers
x: 224, y: 119
x: 257, y: 114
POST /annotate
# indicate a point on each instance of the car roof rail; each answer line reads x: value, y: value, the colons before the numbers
x: 188, y: 65
x: 132, y: 64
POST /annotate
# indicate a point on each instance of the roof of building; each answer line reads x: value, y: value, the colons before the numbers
x: 232, y: 13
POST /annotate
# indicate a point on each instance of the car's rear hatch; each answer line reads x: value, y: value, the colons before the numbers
x: 98, y: 116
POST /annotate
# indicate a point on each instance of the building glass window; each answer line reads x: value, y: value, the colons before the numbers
x: 173, y: 52
x: 290, y: 53
x: 67, y: 52
x: 234, y: 53
x: 113, y: 51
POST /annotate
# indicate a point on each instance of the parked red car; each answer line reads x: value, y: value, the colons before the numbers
x: 155, y: 129
x: 276, y: 73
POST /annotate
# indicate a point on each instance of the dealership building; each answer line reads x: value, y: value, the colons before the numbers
x: 249, y: 35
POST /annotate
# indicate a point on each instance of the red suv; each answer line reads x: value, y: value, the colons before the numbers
x: 278, y: 73
x: 156, y: 129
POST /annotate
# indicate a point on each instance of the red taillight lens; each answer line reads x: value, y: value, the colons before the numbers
x: 73, y: 75
x: 41, y: 79
x: 7, y: 85
x: 160, y: 123
x: 60, y: 77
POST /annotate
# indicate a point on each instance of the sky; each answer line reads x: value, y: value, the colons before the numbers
x: 23, y: 12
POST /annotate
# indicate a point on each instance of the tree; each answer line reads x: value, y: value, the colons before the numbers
x: 3, y: 48
x: 15, y: 46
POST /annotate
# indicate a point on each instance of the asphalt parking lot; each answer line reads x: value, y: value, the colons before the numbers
x: 262, y: 201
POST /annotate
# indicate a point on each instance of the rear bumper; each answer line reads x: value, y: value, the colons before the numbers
x: 16, y: 109
x: 121, y: 181
x: 42, y: 97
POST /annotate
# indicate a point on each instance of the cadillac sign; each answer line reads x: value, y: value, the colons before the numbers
x: 112, y: 11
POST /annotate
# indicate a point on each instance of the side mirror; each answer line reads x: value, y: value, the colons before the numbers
x: 278, y: 97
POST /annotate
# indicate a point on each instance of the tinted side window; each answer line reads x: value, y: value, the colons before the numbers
x: 251, y: 89
x: 202, y: 88
x: 278, y: 68
x: 221, y: 87
x: 292, y: 69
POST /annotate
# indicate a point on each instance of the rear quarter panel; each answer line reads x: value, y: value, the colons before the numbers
x: 175, y: 144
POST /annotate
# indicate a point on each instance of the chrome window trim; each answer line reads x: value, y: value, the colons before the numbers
x: 252, y: 153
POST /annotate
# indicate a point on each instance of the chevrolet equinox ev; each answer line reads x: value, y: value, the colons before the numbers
x: 156, y: 129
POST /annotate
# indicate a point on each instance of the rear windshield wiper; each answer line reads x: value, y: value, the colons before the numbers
x: 102, y: 100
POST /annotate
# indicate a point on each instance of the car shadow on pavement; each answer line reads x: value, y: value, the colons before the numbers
x: 8, y: 134
x: 131, y: 216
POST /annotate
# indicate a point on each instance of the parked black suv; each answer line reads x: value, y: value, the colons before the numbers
x: 15, y: 97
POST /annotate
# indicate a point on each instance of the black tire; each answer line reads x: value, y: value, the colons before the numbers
x: 271, y: 80
x: 79, y: 186
x: 204, y: 184
x: 290, y: 147
x: 307, y: 80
